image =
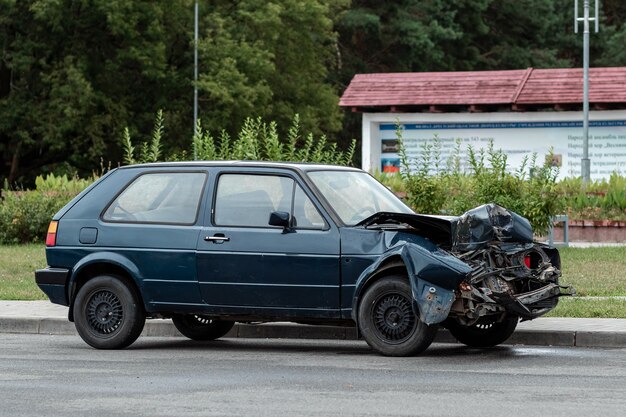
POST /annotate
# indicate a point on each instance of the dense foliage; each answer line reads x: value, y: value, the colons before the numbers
x: 599, y: 200
x: 434, y: 186
x: 25, y: 214
x: 74, y: 73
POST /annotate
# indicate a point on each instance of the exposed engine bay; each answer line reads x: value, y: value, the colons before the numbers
x: 510, y: 274
x: 508, y: 278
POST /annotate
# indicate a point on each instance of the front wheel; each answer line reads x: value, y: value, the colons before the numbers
x: 387, y: 321
x: 197, y: 327
x: 107, y: 313
x: 485, y: 332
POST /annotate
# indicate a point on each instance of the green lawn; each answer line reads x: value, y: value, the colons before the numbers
x: 590, y: 308
x: 17, y: 267
x: 592, y: 271
x: 595, y: 271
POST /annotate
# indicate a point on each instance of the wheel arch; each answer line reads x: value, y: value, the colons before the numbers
x: 117, y: 266
x: 390, y: 265
x: 432, y: 274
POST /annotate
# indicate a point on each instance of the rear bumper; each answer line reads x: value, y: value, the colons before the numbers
x: 53, y: 281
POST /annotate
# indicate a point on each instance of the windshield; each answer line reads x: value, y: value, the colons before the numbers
x: 356, y: 195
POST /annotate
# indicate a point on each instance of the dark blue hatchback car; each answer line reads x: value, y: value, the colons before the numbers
x: 208, y: 244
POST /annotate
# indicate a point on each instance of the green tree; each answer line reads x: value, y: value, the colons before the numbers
x: 271, y: 59
x: 73, y: 73
x: 449, y: 35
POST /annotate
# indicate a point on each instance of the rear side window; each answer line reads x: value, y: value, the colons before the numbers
x: 167, y: 197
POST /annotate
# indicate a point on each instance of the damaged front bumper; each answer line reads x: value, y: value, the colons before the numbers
x: 533, y: 304
x: 471, y: 304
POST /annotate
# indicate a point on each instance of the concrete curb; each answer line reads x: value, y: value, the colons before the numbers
x: 165, y: 328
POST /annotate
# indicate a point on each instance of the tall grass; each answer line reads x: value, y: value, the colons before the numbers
x: 257, y: 140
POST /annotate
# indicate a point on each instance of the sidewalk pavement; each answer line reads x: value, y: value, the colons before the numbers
x: 43, y: 317
x: 592, y: 244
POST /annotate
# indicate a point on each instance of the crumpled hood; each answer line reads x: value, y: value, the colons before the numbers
x: 481, y: 225
x: 472, y: 230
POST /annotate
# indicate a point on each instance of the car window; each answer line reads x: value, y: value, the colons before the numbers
x: 248, y: 200
x: 355, y: 196
x: 305, y: 215
x: 172, y: 197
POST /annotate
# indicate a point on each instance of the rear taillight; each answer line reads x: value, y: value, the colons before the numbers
x: 51, y: 237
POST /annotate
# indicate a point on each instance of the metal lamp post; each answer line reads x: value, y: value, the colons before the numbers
x: 585, y: 163
x: 195, y: 71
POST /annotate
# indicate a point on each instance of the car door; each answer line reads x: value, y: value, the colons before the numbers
x: 247, y: 266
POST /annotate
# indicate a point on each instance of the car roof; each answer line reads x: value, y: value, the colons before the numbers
x: 300, y: 166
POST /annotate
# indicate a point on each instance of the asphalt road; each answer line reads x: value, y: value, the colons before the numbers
x: 61, y: 376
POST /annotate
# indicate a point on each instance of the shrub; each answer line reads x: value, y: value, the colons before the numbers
x: 25, y: 215
x: 598, y: 200
x: 435, y: 187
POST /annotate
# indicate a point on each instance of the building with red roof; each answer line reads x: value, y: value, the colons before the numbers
x: 521, y: 111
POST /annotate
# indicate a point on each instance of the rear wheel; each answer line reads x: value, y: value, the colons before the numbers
x: 485, y: 332
x: 107, y: 313
x: 198, y: 327
x: 387, y: 320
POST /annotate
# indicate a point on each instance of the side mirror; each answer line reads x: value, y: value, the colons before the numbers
x: 279, y: 218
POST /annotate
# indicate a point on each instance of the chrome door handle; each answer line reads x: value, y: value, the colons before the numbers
x: 219, y: 239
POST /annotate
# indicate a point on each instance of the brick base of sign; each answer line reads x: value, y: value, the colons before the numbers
x: 593, y: 231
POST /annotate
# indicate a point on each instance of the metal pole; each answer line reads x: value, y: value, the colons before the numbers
x: 585, y: 163
x: 195, y: 71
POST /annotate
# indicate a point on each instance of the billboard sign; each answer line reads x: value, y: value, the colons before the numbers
x: 518, y: 139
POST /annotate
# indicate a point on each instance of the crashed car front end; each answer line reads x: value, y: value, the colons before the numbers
x: 477, y: 274
x: 488, y: 253
x: 510, y: 272
x: 520, y: 279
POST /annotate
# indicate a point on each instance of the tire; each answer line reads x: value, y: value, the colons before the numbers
x: 387, y: 321
x: 484, y: 333
x: 108, y: 313
x: 198, y: 327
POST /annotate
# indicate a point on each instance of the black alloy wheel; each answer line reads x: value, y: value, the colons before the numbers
x: 387, y: 320
x: 199, y: 327
x: 108, y: 313
x: 486, y: 332
x: 393, y: 318
x: 104, y: 312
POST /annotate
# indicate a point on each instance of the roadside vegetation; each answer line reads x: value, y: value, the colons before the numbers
x: 427, y: 183
x: 437, y: 186
x: 600, y: 200
x: 256, y: 141
x: 594, y: 272
x: 25, y: 214
x: 470, y: 177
